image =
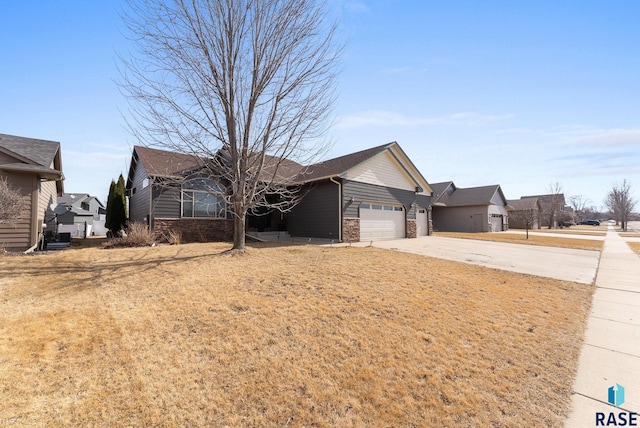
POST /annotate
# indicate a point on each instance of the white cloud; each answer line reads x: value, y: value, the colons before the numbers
x: 356, y: 6
x: 384, y: 118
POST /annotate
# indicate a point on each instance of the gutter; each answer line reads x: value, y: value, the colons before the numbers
x: 332, y: 179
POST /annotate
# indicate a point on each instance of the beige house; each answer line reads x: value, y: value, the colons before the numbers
x: 33, y: 168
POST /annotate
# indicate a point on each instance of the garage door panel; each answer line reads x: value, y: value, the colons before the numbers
x: 385, y: 222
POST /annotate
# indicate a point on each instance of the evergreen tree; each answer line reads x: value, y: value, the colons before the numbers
x: 116, y: 218
x: 109, y: 215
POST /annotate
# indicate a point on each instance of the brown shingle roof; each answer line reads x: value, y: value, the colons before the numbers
x: 523, y: 203
x: 161, y: 163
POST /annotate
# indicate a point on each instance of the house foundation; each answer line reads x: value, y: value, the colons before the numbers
x: 195, y: 230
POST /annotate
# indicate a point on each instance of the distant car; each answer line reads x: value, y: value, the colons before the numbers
x: 590, y: 222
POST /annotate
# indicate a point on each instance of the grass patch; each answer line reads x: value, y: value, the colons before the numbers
x: 635, y: 246
x: 516, y: 238
x: 283, y: 336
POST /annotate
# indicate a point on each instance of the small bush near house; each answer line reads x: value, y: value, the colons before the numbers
x: 137, y: 235
x: 174, y: 237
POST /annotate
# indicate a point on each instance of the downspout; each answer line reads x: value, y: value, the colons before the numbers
x: 150, y: 201
x: 339, y: 207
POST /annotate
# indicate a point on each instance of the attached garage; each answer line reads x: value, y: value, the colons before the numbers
x: 496, y: 223
x: 422, y: 222
x: 381, y: 221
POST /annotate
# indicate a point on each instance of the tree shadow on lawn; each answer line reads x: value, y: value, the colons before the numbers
x: 93, y: 274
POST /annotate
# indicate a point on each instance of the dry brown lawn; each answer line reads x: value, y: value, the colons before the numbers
x: 282, y: 336
x: 635, y: 246
x: 578, y: 230
x: 516, y: 238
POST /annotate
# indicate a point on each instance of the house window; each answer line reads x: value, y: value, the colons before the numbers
x: 199, y: 199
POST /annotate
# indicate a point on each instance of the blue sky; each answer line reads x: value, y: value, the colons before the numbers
x: 516, y: 93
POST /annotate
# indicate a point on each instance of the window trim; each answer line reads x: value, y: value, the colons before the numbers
x: 218, y: 214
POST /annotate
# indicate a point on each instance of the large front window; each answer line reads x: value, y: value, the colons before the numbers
x: 199, y: 199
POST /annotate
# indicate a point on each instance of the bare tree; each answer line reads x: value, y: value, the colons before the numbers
x: 620, y: 202
x: 525, y: 216
x: 246, y: 86
x: 10, y: 203
x: 554, y: 203
x: 579, y: 204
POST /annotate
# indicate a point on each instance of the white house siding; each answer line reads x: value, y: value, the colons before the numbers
x: 381, y: 170
x: 499, y: 210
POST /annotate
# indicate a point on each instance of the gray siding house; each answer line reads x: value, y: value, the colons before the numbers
x: 372, y: 194
x: 34, y: 168
x: 84, y: 211
x: 473, y: 209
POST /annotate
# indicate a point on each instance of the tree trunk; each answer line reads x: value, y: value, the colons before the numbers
x: 238, y: 232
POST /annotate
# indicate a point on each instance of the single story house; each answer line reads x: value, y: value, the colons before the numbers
x: 80, y: 214
x: 553, y: 209
x: 34, y: 168
x: 372, y: 194
x: 473, y: 209
x: 524, y: 213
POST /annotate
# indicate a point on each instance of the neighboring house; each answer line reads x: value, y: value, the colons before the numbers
x: 554, y: 209
x: 473, y: 209
x: 84, y: 213
x: 34, y: 168
x: 372, y: 194
x: 523, y: 211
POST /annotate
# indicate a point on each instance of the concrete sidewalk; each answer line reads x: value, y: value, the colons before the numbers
x: 610, y: 353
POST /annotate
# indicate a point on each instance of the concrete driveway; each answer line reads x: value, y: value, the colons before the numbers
x: 559, y: 263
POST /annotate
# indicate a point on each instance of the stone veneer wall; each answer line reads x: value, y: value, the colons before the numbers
x: 351, y: 230
x: 412, y: 229
x: 196, y: 229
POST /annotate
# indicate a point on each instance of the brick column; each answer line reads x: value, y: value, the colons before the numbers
x: 412, y: 228
x: 351, y: 230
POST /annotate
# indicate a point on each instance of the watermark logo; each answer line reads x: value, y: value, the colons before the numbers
x: 616, y: 395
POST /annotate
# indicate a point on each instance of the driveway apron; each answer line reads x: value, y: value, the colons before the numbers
x: 609, y: 365
x: 551, y: 262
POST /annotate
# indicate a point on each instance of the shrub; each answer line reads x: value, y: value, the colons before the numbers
x: 136, y: 235
x: 174, y: 237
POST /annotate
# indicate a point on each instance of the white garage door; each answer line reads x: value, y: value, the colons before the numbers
x: 381, y: 221
x: 422, y: 222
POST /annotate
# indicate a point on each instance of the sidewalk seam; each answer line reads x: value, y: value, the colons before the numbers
x: 601, y: 401
x: 611, y: 350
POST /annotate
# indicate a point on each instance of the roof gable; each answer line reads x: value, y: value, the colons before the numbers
x: 385, y: 165
x: 382, y: 170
